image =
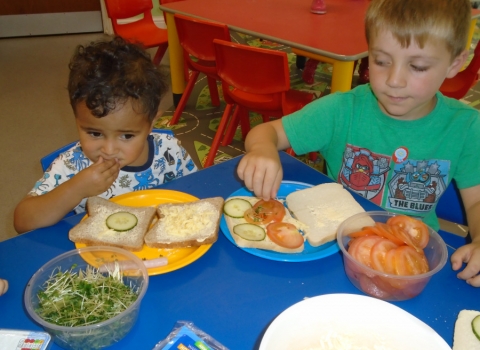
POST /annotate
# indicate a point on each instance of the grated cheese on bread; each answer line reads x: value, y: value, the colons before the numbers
x: 188, y: 224
x: 94, y: 230
x: 323, y: 208
x: 463, y: 337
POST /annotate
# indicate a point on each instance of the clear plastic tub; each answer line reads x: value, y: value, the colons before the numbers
x: 383, y: 285
x: 101, y: 334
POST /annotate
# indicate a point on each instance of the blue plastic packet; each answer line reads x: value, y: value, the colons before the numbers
x: 15, y: 339
x: 186, y: 336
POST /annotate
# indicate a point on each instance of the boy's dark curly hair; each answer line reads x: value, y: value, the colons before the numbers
x: 106, y: 74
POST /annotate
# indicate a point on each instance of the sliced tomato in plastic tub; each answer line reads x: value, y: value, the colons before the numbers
x: 185, y: 335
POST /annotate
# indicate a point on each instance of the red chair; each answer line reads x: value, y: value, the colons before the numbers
x: 196, y: 37
x: 458, y: 86
x: 256, y: 80
x: 143, y: 30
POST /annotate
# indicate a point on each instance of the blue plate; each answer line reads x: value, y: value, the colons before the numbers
x: 309, y: 253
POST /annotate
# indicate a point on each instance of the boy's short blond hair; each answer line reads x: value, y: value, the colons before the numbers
x: 421, y: 20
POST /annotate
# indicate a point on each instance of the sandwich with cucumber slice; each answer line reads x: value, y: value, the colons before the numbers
x: 467, y: 330
x: 256, y: 223
x: 175, y: 225
x: 112, y: 224
x: 315, y: 212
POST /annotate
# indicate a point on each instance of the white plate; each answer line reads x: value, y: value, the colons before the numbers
x: 349, y: 321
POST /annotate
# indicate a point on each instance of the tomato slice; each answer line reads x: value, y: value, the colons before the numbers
x: 415, y: 228
x: 405, y: 237
x: 378, y: 253
x: 285, y: 235
x: 389, y: 262
x: 264, y: 212
x: 360, y: 248
x: 369, y: 286
x: 366, y: 231
x: 386, y: 231
x: 410, y: 262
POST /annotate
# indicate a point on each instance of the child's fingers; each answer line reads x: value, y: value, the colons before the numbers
x: 459, y: 257
x: 3, y: 286
x: 475, y: 281
x: 276, y: 184
x: 261, y: 184
x: 241, y: 168
x: 456, y: 261
x: 471, y: 256
x: 269, y: 182
x: 105, y: 166
x: 246, y: 172
x: 470, y: 271
x: 111, y: 173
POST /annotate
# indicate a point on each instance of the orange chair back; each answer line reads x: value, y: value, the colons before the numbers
x: 458, y: 86
x: 252, y: 69
x: 143, y: 30
x: 196, y: 37
x: 122, y: 9
x: 474, y: 64
x: 252, y: 77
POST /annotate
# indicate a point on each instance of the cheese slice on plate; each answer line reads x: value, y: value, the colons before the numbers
x: 323, y: 208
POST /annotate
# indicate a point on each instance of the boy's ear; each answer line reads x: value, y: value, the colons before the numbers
x: 457, y: 64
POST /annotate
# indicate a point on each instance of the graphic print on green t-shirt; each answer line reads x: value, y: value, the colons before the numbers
x: 364, y: 172
x: 416, y: 185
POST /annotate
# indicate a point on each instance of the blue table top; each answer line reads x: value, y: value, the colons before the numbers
x: 231, y: 295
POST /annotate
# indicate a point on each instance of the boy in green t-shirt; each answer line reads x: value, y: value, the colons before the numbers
x: 396, y: 141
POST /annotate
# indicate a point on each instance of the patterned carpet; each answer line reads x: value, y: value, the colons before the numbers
x: 200, y: 119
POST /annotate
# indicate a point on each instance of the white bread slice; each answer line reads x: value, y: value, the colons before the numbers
x: 322, y: 208
x: 190, y: 224
x: 267, y: 243
x: 94, y: 231
x: 463, y: 337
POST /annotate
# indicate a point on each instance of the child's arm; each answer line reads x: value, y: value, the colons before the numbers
x: 260, y: 168
x: 470, y: 253
x: 45, y: 210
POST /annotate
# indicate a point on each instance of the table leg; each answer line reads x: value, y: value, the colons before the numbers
x: 176, y: 60
x: 342, y: 76
x: 473, y: 24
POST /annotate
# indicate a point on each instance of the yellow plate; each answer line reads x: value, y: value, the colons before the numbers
x: 177, y: 258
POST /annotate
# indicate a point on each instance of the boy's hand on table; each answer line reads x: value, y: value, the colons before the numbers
x: 469, y: 254
x: 3, y: 286
x: 262, y: 172
x: 98, y: 177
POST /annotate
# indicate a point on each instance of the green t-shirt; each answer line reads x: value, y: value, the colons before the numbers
x: 403, y: 166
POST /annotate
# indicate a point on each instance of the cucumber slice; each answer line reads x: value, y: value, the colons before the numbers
x: 476, y: 326
x: 236, y: 207
x: 121, y: 221
x: 250, y: 232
